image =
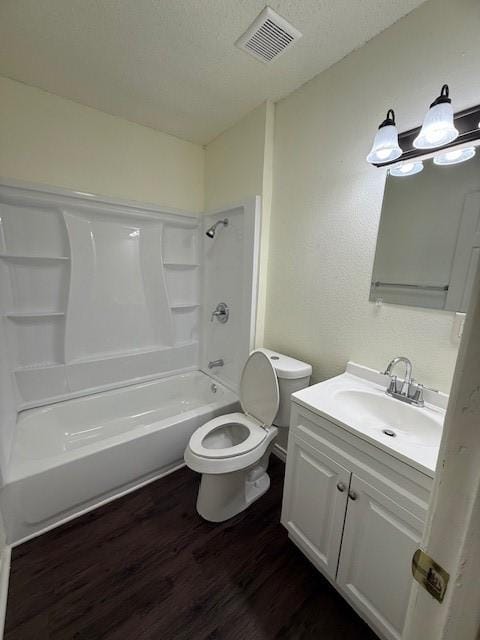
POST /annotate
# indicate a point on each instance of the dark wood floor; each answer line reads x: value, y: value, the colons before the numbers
x: 148, y: 567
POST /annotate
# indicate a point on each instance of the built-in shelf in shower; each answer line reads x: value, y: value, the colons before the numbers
x: 70, y: 274
x: 39, y: 366
x: 33, y: 314
x: 181, y: 265
x: 184, y: 305
x: 15, y: 256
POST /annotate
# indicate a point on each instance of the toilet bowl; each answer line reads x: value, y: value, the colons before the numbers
x: 232, y: 451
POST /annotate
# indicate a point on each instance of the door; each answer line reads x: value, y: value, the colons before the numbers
x: 466, y: 256
x: 374, y: 570
x: 316, y: 493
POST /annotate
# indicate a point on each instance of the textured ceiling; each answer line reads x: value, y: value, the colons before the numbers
x: 172, y: 64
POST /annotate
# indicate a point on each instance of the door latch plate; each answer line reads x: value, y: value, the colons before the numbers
x: 429, y: 574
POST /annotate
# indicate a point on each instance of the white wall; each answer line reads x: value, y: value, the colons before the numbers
x: 239, y: 165
x: 50, y: 140
x: 327, y: 199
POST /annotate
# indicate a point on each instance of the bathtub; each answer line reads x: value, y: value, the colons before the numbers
x: 72, y: 456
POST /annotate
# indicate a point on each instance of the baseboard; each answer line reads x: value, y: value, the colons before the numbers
x: 280, y: 452
x: 4, y: 576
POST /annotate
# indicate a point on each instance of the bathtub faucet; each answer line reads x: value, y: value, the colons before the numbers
x: 215, y: 363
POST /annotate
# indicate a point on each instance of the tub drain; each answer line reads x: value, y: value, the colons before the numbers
x: 389, y: 432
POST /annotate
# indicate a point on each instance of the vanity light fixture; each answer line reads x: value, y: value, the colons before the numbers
x: 438, y: 128
x: 406, y: 169
x: 455, y: 156
x: 385, y: 146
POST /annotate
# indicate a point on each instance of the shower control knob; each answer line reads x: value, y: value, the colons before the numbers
x: 221, y: 312
x: 341, y: 487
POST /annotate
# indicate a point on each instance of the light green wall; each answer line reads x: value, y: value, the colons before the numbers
x: 327, y: 199
x: 239, y: 164
x: 50, y: 140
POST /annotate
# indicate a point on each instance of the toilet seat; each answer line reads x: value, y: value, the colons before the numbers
x: 236, y: 440
x: 256, y: 436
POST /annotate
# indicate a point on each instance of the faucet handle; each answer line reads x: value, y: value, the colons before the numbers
x: 392, y: 387
x: 415, y: 392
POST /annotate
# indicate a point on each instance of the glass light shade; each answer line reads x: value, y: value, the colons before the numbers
x: 437, y: 128
x: 455, y: 156
x: 385, y: 146
x: 406, y: 169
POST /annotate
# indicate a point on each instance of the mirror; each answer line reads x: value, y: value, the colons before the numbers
x: 428, y: 241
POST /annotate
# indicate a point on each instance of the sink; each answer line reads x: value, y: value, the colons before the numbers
x: 357, y: 402
x: 385, y: 418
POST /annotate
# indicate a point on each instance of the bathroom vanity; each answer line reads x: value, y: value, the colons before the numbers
x: 359, y: 475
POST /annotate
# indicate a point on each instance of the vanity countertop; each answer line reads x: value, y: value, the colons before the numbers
x: 356, y: 401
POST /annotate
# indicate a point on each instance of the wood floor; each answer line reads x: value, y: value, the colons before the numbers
x: 147, y: 567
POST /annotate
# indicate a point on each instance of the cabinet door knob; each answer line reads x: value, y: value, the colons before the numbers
x: 341, y: 487
x: 352, y: 495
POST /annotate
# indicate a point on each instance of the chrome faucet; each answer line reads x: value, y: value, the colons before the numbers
x: 406, y: 390
x: 216, y: 363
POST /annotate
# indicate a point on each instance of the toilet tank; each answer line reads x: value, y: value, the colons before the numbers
x: 292, y: 376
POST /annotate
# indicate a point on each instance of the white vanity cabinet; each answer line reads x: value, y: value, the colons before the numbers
x: 357, y: 513
x: 317, y: 500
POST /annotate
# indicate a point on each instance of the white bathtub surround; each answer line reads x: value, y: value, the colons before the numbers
x: 88, y: 298
x: 99, y: 294
x: 232, y: 451
x: 71, y: 456
x: 230, y: 275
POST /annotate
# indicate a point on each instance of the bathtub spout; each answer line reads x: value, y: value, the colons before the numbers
x: 215, y: 363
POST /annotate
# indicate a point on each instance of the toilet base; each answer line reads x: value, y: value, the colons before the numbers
x: 223, y: 495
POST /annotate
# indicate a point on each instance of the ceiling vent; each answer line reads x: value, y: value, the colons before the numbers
x: 268, y: 37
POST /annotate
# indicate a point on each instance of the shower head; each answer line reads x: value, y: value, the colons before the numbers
x: 210, y: 232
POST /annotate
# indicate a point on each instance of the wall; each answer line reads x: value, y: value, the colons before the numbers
x: 327, y: 199
x: 47, y: 139
x: 238, y: 165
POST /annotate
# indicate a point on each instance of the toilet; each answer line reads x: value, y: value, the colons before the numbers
x: 232, y: 451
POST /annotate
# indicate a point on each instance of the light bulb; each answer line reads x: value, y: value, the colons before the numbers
x: 406, y: 169
x: 438, y: 127
x: 385, y: 146
x: 455, y: 156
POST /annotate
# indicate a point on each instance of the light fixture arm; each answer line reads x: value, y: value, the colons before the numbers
x: 389, y: 120
x: 443, y: 98
x: 466, y: 121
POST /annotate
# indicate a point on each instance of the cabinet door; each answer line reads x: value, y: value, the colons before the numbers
x: 315, y: 500
x: 374, y: 571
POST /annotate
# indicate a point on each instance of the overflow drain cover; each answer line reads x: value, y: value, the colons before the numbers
x: 389, y: 432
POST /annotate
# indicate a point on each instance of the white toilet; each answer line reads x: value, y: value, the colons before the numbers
x: 232, y: 451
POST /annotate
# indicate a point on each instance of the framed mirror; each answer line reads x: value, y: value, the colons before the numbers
x: 428, y: 242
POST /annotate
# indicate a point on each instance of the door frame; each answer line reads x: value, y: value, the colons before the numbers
x: 452, y: 529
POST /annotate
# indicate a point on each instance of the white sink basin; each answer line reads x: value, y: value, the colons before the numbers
x: 356, y: 401
x: 382, y: 416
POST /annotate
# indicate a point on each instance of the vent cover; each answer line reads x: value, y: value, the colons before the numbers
x: 268, y: 37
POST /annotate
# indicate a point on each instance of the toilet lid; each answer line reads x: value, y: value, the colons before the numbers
x: 259, y: 393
